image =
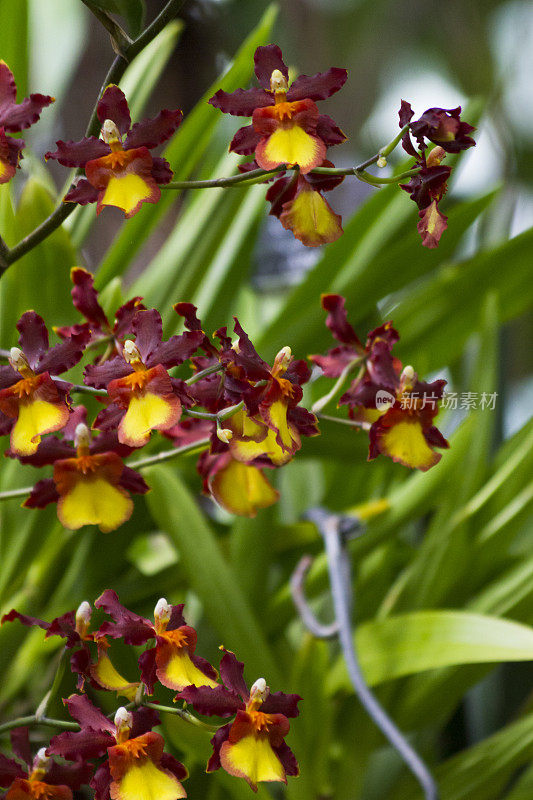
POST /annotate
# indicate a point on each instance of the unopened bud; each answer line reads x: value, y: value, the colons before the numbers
x: 282, y: 360
x: 259, y: 690
x: 82, y: 436
x: 130, y: 351
x: 225, y: 435
x: 17, y: 359
x: 381, y: 162
x: 435, y: 156
x: 40, y: 758
x: 162, y: 610
x: 110, y: 132
x: 123, y: 719
x: 84, y: 612
x: 278, y: 82
x: 408, y: 376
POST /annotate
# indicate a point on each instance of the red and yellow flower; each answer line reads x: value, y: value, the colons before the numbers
x: 34, y: 402
x: 15, y: 117
x: 287, y: 127
x: 239, y: 487
x: 396, y: 408
x: 74, y: 627
x: 253, y: 745
x: 299, y: 204
x: 136, y: 765
x: 172, y: 661
x: 38, y: 778
x: 91, y: 485
x: 120, y: 170
x: 143, y: 396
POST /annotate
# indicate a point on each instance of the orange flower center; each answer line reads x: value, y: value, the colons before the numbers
x: 26, y: 386
x: 282, y: 110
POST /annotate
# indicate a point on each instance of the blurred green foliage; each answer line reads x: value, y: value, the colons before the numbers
x: 444, y: 576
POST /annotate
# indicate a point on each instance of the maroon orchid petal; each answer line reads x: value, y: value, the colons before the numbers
x: 434, y: 437
x: 305, y: 421
x: 43, y: 493
x: 101, y: 782
x: 83, y: 744
x: 15, y: 117
x: 246, y: 356
x: 444, y: 127
x: 188, y: 312
x: 50, y: 449
x: 8, y: 376
x: 298, y: 372
x: 151, y: 132
x: 231, y: 672
x: 324, y: 183
x: 188, y: 431
x: 405, y: 113
x: 88, y: 715
x: 109, y: 418
x: 64, y: 355
x: 432, y: 225
x: 10, y: 155
x: 242, y: 102
x: 161, y: 172
x: 176, y: 617
x: 114, y: 106
x: 76, y: 154
x: 282, y: 191
x: 25, y: 620
x: 65, y: 626
x: 280, y: 703
x: 287, y: 758
x: 33, y: 338
x: 73, y: 775
x: 429, y: 390
x: 127, y: 625
x: 83, y: 193
x: 335, y: 361
x: 133, y: 482
x: 217, y: 741
x: 176, y: 350
x: 319, y: 86
x: 148, y: 668
x: 6, y: 424
x: 148, y: 329
x: 144, y: 719
x: 10, y: 770
x: 108, y: 442
x: 77, y: 414
x: 20, y: 744
x: 99, y: 375
x: 428, y: 185
x: 245, y: 141
x: 80, y: 664
x: 85, y: 297
x: 329, y: 132
x: 174, y: 766
x: 124, y: 316
x: 337, y: 320
x: 219, y: 702
x: 266, y: 60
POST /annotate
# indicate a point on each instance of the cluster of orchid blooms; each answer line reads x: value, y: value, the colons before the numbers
x: 287, y: 134
x: 120, y: 756
x: 243, y: 415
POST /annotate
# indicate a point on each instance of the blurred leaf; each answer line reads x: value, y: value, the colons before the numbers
x: 481, y: 772
x: 409, y: 643
x: 14, y: 43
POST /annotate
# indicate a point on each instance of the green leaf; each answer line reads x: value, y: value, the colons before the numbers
x: 482, y: 771
x: 409, y: 643
x: 209, y: 574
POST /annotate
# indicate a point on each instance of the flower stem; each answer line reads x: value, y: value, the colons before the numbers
x: 204, y: 373
x: 181, y: 712
x: 32, y: 719
x: 148, y: 461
